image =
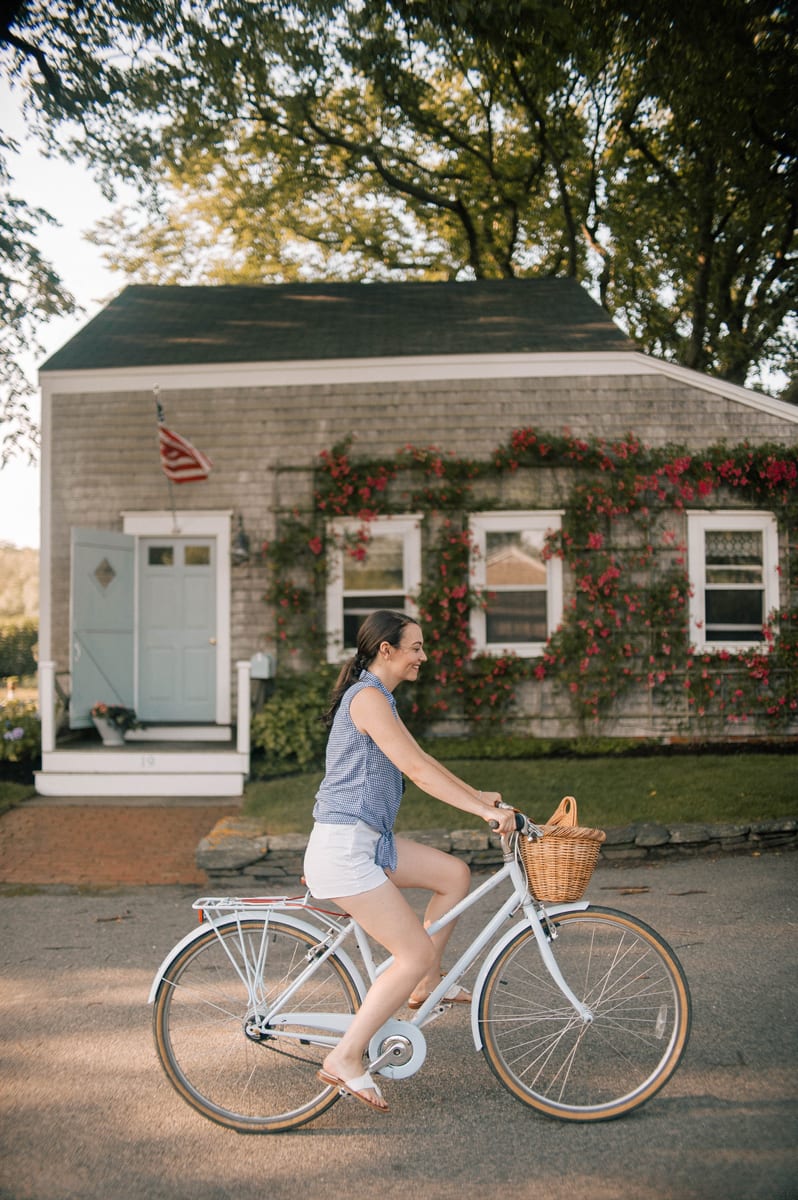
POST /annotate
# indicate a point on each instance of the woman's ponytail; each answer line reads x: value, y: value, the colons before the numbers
x: 349, y: 674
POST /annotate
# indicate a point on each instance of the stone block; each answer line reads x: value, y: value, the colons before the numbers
x: 469, y: 840
x: 293, y: 842
x: 233, y: 842
x: 683, y: 835
x: 621, y: 835
x: 726, y: 832
x: 652, y: 835
x: 778, y: 825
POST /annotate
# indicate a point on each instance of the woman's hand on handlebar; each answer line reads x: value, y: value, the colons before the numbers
x: 502, y: 819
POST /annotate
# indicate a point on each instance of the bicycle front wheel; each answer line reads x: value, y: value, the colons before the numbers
x: 547, y: 1056
x: 207, y: 1034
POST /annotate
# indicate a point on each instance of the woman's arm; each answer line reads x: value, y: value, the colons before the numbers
x: 373, y: 715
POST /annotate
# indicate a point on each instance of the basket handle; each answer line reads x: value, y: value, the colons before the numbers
x: 565, y: 813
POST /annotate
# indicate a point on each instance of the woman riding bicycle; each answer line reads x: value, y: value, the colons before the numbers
x: 352, y: 855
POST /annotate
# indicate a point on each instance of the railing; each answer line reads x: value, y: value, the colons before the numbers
x: 47, y: 705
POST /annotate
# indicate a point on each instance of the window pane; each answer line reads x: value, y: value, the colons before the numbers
x: 161, y: 556
x: 198, y: 556
x: 515, y: 558
x: 728, y: 574
x: 741, y: 547
x: 728, y: 633
x: 516, y: 617
x: 357, y: 608
x: 382, y: 568
x: 745, y: 607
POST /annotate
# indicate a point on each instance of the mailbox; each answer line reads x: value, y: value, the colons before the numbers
x: 262, y: 666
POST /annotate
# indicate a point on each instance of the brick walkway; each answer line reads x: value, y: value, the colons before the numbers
x: 94, y: 843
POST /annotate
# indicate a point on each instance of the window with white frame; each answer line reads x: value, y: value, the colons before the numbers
x: 733, y: 565
x: 522, y: 588
x: 382, y: 571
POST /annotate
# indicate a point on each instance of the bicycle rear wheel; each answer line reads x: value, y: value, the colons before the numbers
x: 541, y: 1050
x: 207, y: 1041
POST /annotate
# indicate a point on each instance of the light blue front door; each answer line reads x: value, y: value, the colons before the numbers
x: 103, y: 612
x: 177, y: 629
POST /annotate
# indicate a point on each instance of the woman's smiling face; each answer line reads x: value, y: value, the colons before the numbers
x: 405, y: 659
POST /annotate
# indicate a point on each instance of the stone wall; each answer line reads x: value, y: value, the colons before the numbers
x: 240, y: 856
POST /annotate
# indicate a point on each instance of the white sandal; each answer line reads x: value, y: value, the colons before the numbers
x: 355, y: 1088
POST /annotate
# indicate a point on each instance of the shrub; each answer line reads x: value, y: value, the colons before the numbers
x: 288, y: 731
x: 17, y: 642
x: 20, y: 734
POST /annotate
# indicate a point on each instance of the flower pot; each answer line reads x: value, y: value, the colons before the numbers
x: 110, y: 733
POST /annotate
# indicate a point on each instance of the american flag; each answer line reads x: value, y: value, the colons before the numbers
x: 181, y: 462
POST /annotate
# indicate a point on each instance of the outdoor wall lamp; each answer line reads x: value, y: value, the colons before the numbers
x: 239, y: 552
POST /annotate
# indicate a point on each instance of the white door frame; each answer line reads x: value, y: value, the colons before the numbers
x: 165, y: 524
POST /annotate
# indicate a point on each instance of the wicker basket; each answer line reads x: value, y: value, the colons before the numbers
x: 559, y: 866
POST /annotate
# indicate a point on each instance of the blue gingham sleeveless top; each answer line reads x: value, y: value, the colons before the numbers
x: 360, y: 782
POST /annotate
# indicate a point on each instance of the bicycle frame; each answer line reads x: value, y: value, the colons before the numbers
x: 222, y: 913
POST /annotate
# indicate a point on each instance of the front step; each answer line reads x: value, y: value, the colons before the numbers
x: 179, y: 733
x: 55, y: 783
x: 143, y: 770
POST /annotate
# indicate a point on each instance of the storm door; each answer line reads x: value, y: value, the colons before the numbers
x: 102, y: 622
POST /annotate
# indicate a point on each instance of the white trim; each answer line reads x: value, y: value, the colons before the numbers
x: 45, y: 534
x: 409, y: 526
x: 501, y: 521
x: 210, y: 524
x: 341, y: 371
x: 698, y: 522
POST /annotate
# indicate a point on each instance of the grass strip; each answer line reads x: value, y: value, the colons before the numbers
x: 703, y: 788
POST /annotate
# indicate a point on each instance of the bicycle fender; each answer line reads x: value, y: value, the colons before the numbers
x: 552, y: 910
x: 284, y: 918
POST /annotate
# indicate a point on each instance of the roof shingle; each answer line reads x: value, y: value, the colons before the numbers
x: 159, y: 326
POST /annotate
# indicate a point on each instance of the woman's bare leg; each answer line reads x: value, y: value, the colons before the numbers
x: 385, y: 915
x: 448, y: 878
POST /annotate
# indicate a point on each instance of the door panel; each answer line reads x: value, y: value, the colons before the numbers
x: 177, y: 635
x: 102, y: 620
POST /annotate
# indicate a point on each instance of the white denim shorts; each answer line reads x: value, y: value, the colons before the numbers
x: 339, y: 860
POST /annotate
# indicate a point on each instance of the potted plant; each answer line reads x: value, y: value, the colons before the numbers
x: 112, y: 722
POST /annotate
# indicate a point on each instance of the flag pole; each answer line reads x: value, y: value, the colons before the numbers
x: 156, y: 391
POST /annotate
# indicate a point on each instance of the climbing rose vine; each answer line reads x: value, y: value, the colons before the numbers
x: 625, y: 624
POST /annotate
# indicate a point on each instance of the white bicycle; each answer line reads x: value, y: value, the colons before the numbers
x: 582, y: 1012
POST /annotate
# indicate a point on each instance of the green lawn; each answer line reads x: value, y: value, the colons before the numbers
x: 14, y: 793
x: 609, y: 791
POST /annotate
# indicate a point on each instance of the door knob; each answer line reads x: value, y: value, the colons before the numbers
x: 211, y: 641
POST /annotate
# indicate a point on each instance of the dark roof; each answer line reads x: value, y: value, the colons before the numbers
x: 157, y: 326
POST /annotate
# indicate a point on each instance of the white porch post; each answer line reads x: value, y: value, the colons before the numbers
x: 47, y: 705
x: 243, y: 667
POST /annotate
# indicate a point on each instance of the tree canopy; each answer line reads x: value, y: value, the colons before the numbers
x: 31, y: 292
x: 649, y: 150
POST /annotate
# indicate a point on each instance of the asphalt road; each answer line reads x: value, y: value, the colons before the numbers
x: 87, y: 1113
